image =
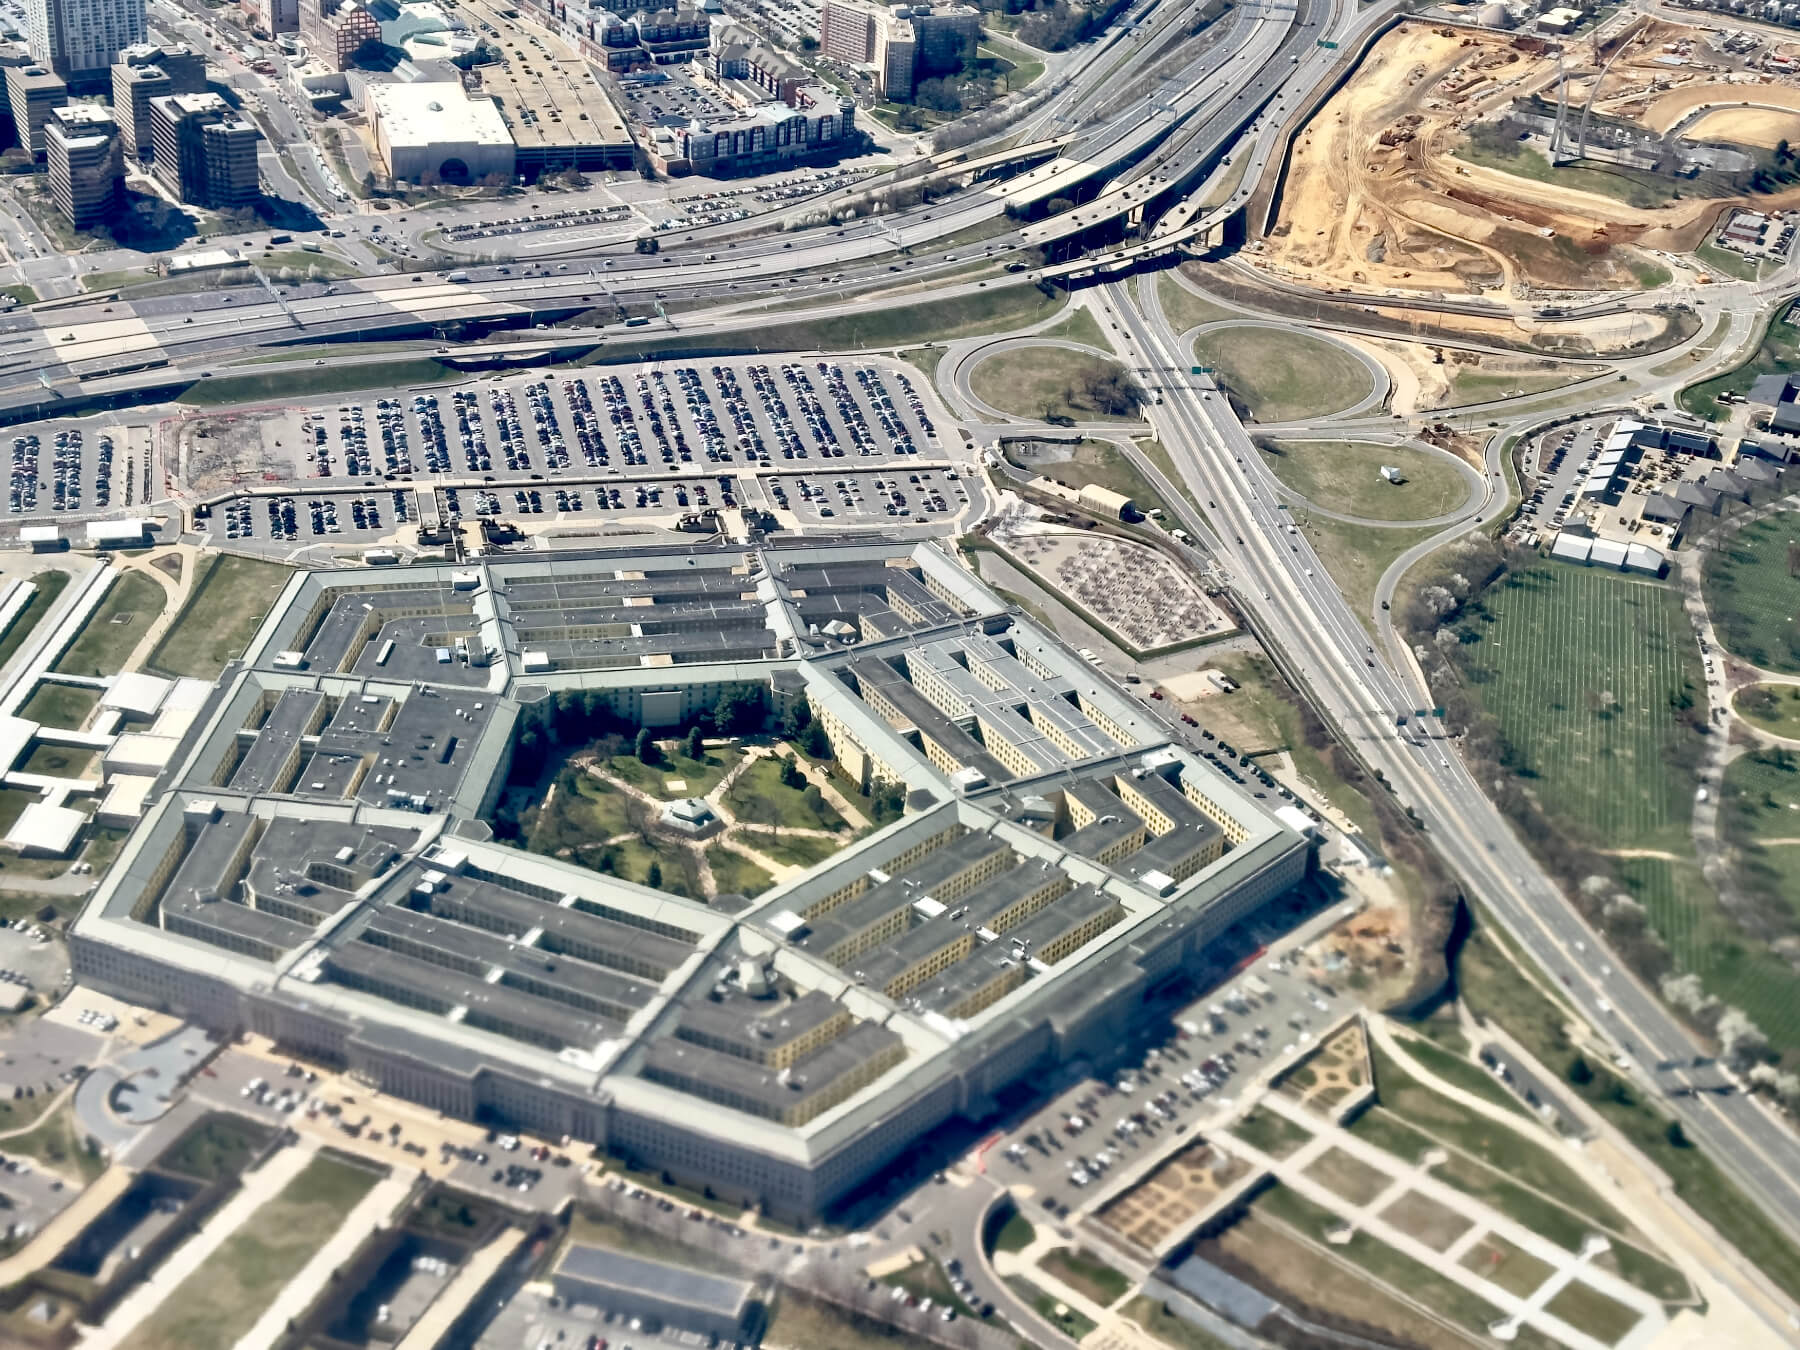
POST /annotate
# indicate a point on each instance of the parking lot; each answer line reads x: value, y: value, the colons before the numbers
x: 33, y: 1196
x: 1078, y: 1146
x: 820, y: 438
x: 69, y: 469
x: 349, y: 1115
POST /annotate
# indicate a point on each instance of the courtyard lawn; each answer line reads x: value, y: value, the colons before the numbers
x: 796, y: 850
x: 759, y: 796
x: 1282, y: 375
x: 60, y: 705
x: 219, y: 1303
x: 49, y: 586
x: 1345, y: 476
x: 115, y: 628
x: 1583, y: 671
x: 1753, y: 593
x: 734, y: 873
x: 226, y: 604
x: 696, y: 776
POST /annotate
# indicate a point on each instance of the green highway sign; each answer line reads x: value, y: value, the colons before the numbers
x: 1203, y: 370
x: 1327, y: 44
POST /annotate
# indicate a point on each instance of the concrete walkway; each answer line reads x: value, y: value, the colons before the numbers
x: 1291, y: 1172
x: 259, y: 1188
x: 369, y: 1213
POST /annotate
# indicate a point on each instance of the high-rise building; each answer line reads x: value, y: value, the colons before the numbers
x: 13, y: 56
x: 896, y: 55
x: 335, y: 30
x: 81, y: 38
x: 274, y: 17
x: 87, y: 164
x: 204, y: 152
x: 903, y: 43
x: 33, y: 92
x: 146, y: 71
x: 847, y: 30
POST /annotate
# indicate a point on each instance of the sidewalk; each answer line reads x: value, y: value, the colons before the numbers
x: 370, y: 1213
x: 259, y: 1188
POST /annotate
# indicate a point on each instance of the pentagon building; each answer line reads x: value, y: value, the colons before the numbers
x: 318, y: 867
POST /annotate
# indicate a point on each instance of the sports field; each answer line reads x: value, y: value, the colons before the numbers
x: 1581, y: 668
x: 1753, y: 594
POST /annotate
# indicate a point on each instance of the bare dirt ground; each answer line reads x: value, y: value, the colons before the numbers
x: 1764, y: 127
x: 1389, y: 205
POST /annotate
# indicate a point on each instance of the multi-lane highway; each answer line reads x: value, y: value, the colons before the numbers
x: 1300, y: 610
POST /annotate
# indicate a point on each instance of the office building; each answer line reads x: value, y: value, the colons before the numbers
x: 272, y: 18
x: 336, y: 30
x: 33, y: 92
x: 86, y: 161
x: 80, y: 39
x: 318, y: 872
x: 435, y: 132
x: 204, y: 153
x: 146, y: 71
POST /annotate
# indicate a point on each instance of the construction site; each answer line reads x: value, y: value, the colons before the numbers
x: 1462, y: 160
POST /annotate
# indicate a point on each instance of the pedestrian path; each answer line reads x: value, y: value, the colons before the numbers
x: 369, y: 1213
x: 258, y: 1189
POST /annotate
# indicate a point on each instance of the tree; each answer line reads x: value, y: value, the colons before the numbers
x: 647, y: 751
x: 1581, y: 1073
x: 696, y: 743
x: 814, y: 742
x: 648, y: 244
x: 653, y: 876
x: 1677, y: 1136
x: 791, y: 777
x: 809, y: 43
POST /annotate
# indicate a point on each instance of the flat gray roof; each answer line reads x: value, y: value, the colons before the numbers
x: 604, y: 1268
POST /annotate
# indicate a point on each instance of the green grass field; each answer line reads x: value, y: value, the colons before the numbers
x: 1752, y: 593
x: 735, y: 873
x: 1471, y: 384
x: 60, y: 705
x: 1358, y: 555
x: 224, y: 608
x: 1773, y: 707
x: 1579, y: 667
x: 696, y: 776
x: 1045, y: 382
x: 1184, y: 309
x: 49, y: 586
x: 308, y: 380
x: 758, y: 795
x: 1778, y: 350
x: 115, y: 627
x: 219, y: 1303
x: 1345, y: 476
x: 998, y: 309
x: 1283, y: 375
x: 1524, y: 162
x: 1079, y: 326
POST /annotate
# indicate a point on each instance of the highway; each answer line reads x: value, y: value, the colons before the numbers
x: 1299, y: 609
x: 1227, y: 98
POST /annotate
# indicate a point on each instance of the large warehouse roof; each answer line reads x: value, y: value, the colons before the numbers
x: 436, y: 112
